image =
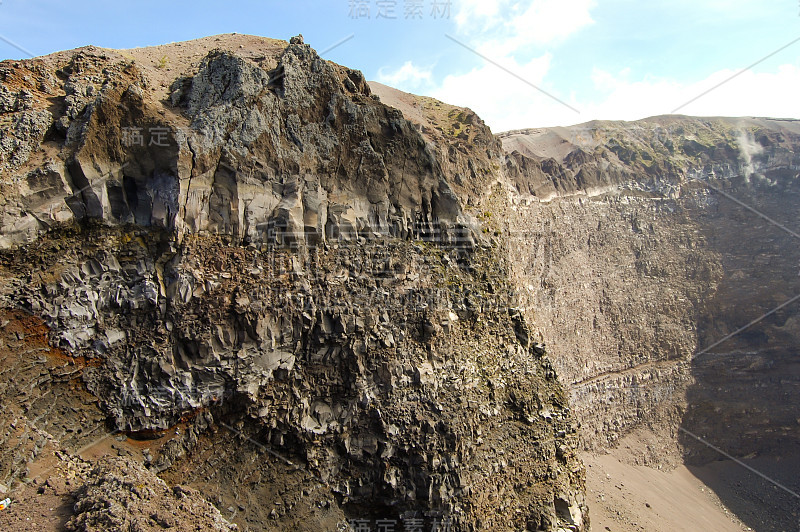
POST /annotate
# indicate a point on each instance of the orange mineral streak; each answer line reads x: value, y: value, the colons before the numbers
x: 34, y: 332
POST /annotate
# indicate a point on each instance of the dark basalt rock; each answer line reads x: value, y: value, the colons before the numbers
x: 295, y: 260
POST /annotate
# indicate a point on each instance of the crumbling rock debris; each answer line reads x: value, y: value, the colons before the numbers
x: 122, y: 495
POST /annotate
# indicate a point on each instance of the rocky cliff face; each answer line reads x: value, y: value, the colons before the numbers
x: 659, y: 261
x: 636, y: 247
x: 249, y: 258
x: 646, y: 244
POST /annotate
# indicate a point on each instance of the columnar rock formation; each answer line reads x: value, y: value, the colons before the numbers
x: 257, y: 245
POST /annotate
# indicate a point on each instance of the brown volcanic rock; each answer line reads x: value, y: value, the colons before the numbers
x: 333, y: 277
x: 359, y: 286
x: 663, y: 241
x: 122, y: 495
x: 294, y: 259
x: 232, y: 127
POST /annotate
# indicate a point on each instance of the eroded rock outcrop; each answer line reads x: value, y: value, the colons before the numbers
x: 259, y: 246
x: 338, y: 305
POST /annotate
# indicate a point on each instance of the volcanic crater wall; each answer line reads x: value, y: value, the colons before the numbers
x: 649, y: 254
x: 268, y: 249
x: 255, y: 239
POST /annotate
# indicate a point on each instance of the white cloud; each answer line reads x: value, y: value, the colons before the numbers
x: 408, y: 76
x: 494, y: 94
x: 474, y: 14
x: 520, y: 35
x: 507, y: 27
x: 547, y: 21
x: 771, y: 94
x: 505, y: 102
x: 515, y: 34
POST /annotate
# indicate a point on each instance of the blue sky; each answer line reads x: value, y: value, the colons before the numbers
x: 604, y: 59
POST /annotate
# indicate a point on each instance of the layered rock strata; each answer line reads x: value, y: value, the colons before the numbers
x: 257, y: 245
